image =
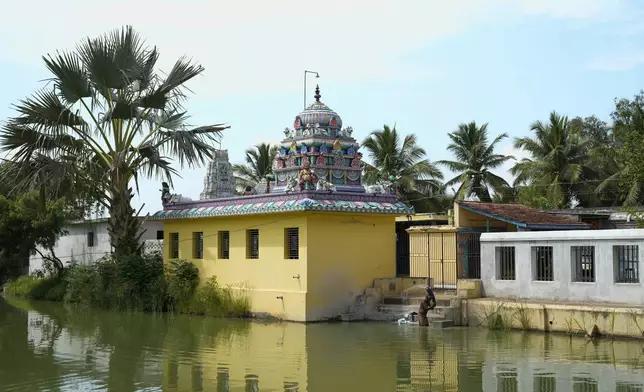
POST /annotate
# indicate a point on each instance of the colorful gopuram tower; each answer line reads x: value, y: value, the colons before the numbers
x: 317, y: 137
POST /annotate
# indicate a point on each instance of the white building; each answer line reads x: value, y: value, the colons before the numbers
x: 89, y: 240
x: 575, y: 265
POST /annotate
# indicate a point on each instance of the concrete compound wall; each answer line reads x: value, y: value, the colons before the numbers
x: 572, y: 319
x: 562, y: 288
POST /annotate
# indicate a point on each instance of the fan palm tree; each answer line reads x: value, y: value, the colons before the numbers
x: 105, y: 119
x: 475, y: 157
x: 418, y: 180
x: 259, y: 163
x: 558, y: 158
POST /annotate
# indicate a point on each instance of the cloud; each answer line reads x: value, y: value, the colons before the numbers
x: 574, y: 9
x: 260, y: 46
x: 617, y: 62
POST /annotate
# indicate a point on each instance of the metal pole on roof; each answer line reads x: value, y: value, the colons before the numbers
x: 317, y: 75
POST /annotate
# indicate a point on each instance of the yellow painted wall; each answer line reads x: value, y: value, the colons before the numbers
x: 239, y: 355
x: 340, y: 256
x: 346, y: 253
x: 269, y: 276
x: 465, y: 218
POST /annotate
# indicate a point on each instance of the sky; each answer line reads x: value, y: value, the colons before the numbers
x: 424, y: 65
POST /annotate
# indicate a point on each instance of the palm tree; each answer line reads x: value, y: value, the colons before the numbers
x: 558, y: 158
x: 475, y: 158
x: 105, y: 118
x: 417, y: 179
x: 259, y: 163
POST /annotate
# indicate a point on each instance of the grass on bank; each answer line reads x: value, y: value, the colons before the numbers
x: 136, y: 283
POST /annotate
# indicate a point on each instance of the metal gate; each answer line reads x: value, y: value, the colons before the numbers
x: 433, y: 255
x: 469, y: 254
x: 402, y: 253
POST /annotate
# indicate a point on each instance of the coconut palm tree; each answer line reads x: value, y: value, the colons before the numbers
x: 558, y: 158
x: 259, y: 163
x: 105, y: 119
x: 418, y: 180
x: 475, y: 158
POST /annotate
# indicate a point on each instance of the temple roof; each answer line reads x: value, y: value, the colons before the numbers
x: 291, y: 202
x: 318, y: 113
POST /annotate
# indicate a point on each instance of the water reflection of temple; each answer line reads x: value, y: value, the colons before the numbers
x: 125, y: 352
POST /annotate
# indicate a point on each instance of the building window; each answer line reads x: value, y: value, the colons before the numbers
x: 174, y: 245
x: 224, y: 244
x: 292, y: 245
x: 583, y: 263
x: 159, y: 234
x: 543, y: 269
x: 505, y: 264
x: 252, y: 244
x: 90, y: 239
x: 622, y: 386
x: 626, y: 263
x: 197, y: 245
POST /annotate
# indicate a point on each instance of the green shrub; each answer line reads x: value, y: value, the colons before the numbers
x: 82, y: 285
x: 136, y: 283
x: 182, y: 279
x: 21, y: 287
x: 50, y: 288
x: 213, y: 300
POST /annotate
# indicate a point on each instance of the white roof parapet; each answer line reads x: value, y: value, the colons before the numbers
x: 565, y: 235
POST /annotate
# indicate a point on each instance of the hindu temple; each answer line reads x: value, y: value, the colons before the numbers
x: 219, y: 180
x: 307, y: 242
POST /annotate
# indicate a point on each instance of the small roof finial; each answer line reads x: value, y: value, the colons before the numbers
x: 317, y: 95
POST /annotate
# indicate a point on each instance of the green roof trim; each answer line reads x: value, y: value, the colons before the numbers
x: 281, y: 206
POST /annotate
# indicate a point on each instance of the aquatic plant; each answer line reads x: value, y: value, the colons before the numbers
x: 493, y: 317
x: 522, y: 315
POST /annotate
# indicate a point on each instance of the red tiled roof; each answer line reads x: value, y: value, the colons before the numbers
x: 522, y: 214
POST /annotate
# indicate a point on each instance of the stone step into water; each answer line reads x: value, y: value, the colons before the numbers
x: 440, y: 300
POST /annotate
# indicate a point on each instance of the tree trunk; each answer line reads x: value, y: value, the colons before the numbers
x: 123, y: 225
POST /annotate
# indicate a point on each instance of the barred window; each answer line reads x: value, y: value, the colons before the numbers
x: 197, y: 245
x: 544, y: 382
x: 174, y: 245
x: 292, y: 243
x: 584, y: 384
x: 622, y: 386
x: 542, y: 263
x: 224, y: 244
x: 252, y: 244
x: 626, y: 263
x: 90, y: 239
x: 159, y: 234
x: 505, y: 263
x: 583, y: 263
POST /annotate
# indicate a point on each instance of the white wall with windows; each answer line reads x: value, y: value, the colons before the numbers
x: 573, y: 265
x: 88, y: 241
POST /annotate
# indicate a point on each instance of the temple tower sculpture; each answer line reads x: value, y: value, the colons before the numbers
x: 318, y: 141
x: 219, y: 180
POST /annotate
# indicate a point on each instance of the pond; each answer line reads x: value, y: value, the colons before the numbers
x: 47, y: 347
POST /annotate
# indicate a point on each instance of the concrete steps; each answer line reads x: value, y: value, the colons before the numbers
x: 441, y: 300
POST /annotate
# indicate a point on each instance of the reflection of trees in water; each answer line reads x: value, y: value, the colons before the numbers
x: 20, y: 365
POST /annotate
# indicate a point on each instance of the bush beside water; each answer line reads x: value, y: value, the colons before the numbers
x: 136, y: 283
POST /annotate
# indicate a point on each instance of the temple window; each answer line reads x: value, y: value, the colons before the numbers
x: 224, y: 244
x: 292, y: 243
x: 174, y: 245
x: 252, y: 244
x: 197, y: 245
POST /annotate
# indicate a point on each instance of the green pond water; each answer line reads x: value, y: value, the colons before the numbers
x: 47, y: 347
